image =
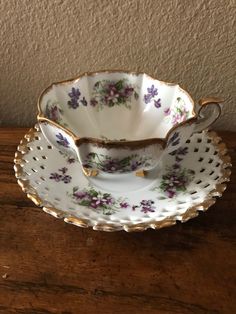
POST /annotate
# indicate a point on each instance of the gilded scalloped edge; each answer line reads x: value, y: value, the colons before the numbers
x: 192, y: 212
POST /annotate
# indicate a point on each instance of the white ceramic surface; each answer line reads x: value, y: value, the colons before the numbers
x: 119, y: 122
x: 190, y: 179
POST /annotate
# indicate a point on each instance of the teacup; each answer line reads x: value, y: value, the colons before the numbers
x: 120, y: 122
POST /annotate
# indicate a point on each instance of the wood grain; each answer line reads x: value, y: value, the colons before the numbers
x: 48, y: 267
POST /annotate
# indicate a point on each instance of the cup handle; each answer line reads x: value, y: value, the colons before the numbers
x: 208, y: 113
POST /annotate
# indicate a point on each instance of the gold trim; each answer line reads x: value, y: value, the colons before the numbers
x: 136, y: 143
x: 90, y: 172
x: 169, y: 221
x: 130, y: 144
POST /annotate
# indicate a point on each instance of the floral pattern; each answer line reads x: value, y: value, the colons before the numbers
x: 62, y: 140
x: 75, y: 98
x: 69, y: 159
x: 178, y: 113
x: 54, y: 113
x: 61, y: 176
x: 106, y: 203
x: 151, y: 95
x: 109, y: 164
x: 113, y: 93
x: 174, y: 139
x: 176, y: 178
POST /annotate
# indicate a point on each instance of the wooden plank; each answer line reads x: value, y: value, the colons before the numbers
x: 48, y: 267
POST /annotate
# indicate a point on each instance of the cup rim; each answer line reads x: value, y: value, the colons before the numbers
x: 113, y: 143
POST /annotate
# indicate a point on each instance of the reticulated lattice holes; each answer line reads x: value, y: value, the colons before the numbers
x: 44, y: 157
x: 37, y: 182
x: 39, y: 147
x: 35, y: 158
x: 210, y: 161
x: 181, y: 202
x: 199, y: 140
x: 34, y: 170
x: 206, y: 186
x: 42, y: 167
x: 49, y: 147
x: 211, y: 173
x: 217, y: 164
x: 37, y: 138
x: 187, y: 142
x: 200, y: 159
x: 195, y: 150
x: 202, y: 170
x: 207, y: 149
x: 199, y: 181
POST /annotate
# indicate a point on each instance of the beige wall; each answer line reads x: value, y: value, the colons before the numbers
x: 191, y: 42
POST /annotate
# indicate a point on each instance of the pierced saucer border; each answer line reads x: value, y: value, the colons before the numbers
x: 190, y: 213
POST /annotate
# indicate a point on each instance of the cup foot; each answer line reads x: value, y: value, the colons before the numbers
x: 90, y: 172
x: 141, y: 173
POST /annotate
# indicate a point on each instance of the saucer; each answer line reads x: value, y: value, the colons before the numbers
x: 188, y: 181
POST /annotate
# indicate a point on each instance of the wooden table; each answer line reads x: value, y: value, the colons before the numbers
x: 48, y: 266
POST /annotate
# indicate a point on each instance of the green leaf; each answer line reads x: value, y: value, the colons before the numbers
x: 75, y: 189
x: 93, y: 192
x: 119, y: 85
x: 136, y: 95
x: 84, y: 203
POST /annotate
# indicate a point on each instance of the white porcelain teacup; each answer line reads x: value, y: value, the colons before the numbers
x: 119, y: 122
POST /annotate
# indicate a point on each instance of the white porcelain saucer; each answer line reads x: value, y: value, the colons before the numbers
x: 188, y: 182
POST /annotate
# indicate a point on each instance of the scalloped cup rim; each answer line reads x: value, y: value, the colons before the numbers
x: 162, y: 140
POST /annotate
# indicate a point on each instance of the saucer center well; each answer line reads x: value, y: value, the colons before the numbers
x: 121, y: 183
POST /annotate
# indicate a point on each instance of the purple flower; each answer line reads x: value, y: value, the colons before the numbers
x: 152, y: 91
x: 80, y: 194
x: 96, y: 202
x: 157, y: 103
x: 75, y: 93
x: 55, y: 176
x: 147, y: 206
x: 128, y: 91
x: 147, y: 98
x: 62, y: 140
x: 111, y: 165
x: 73, y: 103
x: 135, y: 164
x: 176, y: 166
x: 108, y: 200
x: 63, y: 170
x: 134, y: 207
x: 84, y: 101
x: 167, y: 111
x: 74, y: 97
x: 71, y: 160
x: 93, y: 102
x: 124, y: 205
x: 146, y: 209
x: 170, y: 193
x: 66, y: 179
x: 53, y: 113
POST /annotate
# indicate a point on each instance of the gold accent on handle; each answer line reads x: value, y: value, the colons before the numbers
x: 210, y: 100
